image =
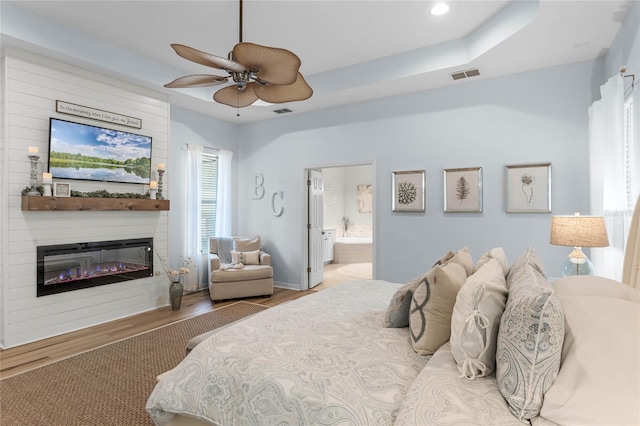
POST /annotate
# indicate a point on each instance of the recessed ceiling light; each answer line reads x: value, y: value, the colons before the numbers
x: 439, y: 9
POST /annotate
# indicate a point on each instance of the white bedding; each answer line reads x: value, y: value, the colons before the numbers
x: 440, y: 397
x: 323, y: 359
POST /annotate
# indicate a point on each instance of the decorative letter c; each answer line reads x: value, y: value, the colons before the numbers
x: 276, y: 213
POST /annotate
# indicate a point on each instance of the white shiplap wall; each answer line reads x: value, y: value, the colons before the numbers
x: 32, y: 84
x: 4, y: 167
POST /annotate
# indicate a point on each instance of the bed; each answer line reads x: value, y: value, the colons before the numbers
x: 333, y: 358
x: 321, y: 359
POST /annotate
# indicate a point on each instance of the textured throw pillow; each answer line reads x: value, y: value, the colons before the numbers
x: 431, y: 307
x: 445, y: 258
x: 463, y: 257
x: 529, y: 342
x: 247, y: 243
x: 495, y: 253
x: 475, y: 320
x: 529, y: 258
x: 397, y: 315
x: 246, y: 257
x: 599, y: 382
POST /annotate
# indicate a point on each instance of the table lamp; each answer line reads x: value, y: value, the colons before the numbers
x: 578, y: 231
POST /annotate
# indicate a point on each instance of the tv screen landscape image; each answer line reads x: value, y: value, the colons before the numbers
x: 84, y: 152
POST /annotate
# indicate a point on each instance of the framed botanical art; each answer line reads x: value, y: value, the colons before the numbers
x: 528, y: 188
x: 408, y: 191
x: 463, y: 190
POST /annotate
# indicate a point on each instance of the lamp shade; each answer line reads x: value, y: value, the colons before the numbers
x: 579, y: 231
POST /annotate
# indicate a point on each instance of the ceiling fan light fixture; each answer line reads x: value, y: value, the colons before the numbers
x: 196, y: 80
x: 277, y: 94
x: 235, y: 98
x: 259, y: 72
x: 270, y: 64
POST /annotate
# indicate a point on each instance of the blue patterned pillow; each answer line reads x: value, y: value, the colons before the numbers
x: 397, y: 315
x: 529, y: 342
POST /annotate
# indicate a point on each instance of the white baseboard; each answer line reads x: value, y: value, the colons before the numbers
x: 288, y: 286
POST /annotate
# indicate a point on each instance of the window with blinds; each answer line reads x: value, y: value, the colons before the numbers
x: 209, y: 198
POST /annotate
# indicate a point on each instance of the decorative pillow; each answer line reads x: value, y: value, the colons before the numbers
x: 527, y: 258
x: 529, y: 342
x: 495, y: 253
x: 463, y: 257
x: 397, y: 315
x: 444, y: 259
x: 599, y: 380
x: 247, y: 243
x: 475, y: 320
x: 246, y: 257
x: 589, y: 285
x: 431, y: 307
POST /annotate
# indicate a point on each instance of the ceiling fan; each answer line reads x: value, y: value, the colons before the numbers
x: 258, y: 72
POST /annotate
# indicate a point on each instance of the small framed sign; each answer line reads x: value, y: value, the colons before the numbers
x: 61, y: 189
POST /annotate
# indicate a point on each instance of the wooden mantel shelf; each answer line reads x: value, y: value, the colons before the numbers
x: 92, y: 204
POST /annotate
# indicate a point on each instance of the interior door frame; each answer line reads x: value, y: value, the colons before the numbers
x: 304, y: 246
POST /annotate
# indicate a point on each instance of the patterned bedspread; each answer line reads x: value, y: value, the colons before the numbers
x: 324, y: 359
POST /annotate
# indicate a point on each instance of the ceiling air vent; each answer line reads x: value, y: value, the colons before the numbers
x: 282, y: 111
x: 458, y: 75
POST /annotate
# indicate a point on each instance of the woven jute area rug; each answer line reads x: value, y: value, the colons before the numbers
x: 109, y: 385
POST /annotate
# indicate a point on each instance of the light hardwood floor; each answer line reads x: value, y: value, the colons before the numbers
x: 17, y: 360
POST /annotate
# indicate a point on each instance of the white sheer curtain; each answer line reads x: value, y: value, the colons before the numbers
x: 223, y: 213
x: 607, y: 174
x: 193, y: 243
x: 631, y: 272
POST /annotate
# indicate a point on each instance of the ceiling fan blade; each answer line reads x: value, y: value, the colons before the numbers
x: 274, y: 65
x: 233, y: 97
x: 207, y: 59
x: 277, y: 94
x: 196, y: 80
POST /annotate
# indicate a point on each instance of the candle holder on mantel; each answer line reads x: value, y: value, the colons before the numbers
x: 33, y: 181
x: 159, y: 194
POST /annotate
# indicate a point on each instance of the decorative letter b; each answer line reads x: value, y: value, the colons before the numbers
x: 258, y: 186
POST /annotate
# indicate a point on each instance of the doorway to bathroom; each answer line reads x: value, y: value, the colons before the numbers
x: 340, y: 206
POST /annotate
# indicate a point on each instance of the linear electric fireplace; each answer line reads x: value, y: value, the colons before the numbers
x: 67, y: 267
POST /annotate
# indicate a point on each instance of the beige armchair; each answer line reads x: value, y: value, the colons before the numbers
x: 230, y: 280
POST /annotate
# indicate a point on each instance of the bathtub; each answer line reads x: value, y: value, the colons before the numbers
x: 353, y: 250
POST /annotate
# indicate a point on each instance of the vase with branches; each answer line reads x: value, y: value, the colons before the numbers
x: 175, y: 272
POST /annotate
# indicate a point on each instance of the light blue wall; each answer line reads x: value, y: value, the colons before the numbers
x: 529, y: 117
x: 538, y: 116
x: 191, y: 127
x: 625, y: 49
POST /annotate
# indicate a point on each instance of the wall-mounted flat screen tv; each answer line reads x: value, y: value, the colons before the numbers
x: 81, y: 151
